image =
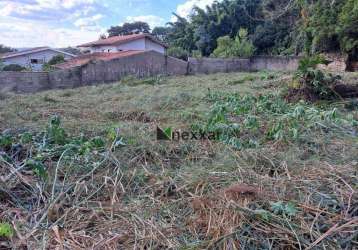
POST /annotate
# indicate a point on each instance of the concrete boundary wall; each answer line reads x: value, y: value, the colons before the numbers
x: 146, y: 64
x: 215, y: 65
x: 24, y: 82
x: 149, y: 63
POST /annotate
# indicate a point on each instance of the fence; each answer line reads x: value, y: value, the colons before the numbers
x: 215, y: 65
x: 145, y: 64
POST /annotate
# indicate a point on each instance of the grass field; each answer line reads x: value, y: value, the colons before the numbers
x: 279, y: 176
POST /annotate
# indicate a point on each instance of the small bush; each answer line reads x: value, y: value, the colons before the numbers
x: 13, y: 67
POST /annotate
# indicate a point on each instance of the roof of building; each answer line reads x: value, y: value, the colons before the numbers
x: 101, y: 56
x: 33, y: 50
x: 117, y: 40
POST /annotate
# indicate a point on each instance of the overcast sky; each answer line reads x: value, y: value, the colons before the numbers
x: 62, y: 23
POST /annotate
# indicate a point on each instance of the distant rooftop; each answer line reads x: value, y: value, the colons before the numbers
x: 117, y: 40
x: 31, y: 51
x: 102, y: 56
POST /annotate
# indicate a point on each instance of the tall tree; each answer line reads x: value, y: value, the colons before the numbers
x: 181, y: 34
x: 348, y: 28
x: 161, y: 33
x: 129, y: 29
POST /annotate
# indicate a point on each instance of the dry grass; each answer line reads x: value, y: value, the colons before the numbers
x: 175, y: 195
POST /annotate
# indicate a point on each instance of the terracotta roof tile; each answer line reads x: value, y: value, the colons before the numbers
x: 101, y: 56
x: 116, y: 40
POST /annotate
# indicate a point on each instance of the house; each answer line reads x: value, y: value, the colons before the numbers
x: 96, y: 56
x: 135, y: 42
x: 33, y: 58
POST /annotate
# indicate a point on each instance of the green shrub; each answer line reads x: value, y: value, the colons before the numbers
x: 178, y: 52
x: 241, y: 46
x: 53, y: 61
x: 316, y: 81
x: 13, y: 67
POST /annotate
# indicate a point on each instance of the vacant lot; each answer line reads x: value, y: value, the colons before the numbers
x: 82, y: 168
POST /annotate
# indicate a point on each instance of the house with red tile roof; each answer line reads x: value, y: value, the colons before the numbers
x: 96, y: 56
x: 135, y: 42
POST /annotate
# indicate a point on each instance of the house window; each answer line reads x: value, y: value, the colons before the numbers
x: 37, y: 61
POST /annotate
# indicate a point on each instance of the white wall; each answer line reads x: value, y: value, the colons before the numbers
x: 103, y: 49
x: 150, y: 45
x: 133, y: 45
x: 140, y: 44
x: 25, y: 60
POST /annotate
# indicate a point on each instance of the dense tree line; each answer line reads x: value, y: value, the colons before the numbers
x: 277, y: 27
x: 284, y: 27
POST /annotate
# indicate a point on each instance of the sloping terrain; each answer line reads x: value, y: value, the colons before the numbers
x: 83, y: 169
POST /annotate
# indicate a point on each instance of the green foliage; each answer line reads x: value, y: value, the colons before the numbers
x: 5, y: 49
x: 56, y: 60
x: 133, y: 81
x: 181, y: 34
x: 55, y: 133
x: 246, y: 121
x: 37, y: 167
x: 13, y: 67
x: 26, y: 138
x: 5, y: 140
x: 54, y: 145
x: 196, y: 54
x: 129, y: 29
x: 240, y: 47
x: 53, y: 61
x: 178, y: 53
x: 275, y: 27
x: 6, y: 230
x: 348, y: 31
x: 310, y: 62
x: 161, y: 33
x: 316, y: 81
x: 224, y: 48
x: 280, y: 208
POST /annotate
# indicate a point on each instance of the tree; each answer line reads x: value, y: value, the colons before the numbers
x: 161, y: 33
x: 181, y: 34
x: 222, y: 19
x: 56, y: 60
x: 129, y: 29
x: 5, y: 49
x: 224, y: 48
x: 102, y: 36
x: 348, y: 28
x: 53, y: 61
x: 241, y: 46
